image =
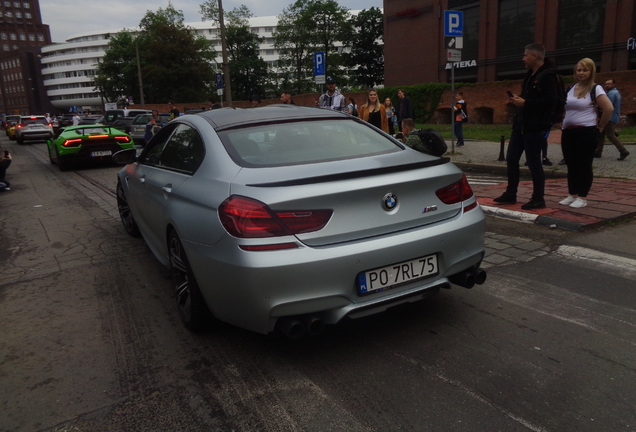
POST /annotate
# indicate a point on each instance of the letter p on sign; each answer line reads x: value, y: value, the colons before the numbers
x: 453, y: 23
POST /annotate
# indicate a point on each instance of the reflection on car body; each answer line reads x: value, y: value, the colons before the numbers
x: 296, y: 217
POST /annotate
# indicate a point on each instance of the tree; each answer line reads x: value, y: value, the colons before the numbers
x: 117, y: 73
x: 294, y: 43
x: 175, y: 62
x: 304, y: 27
x: 248, y: 71
x: 327, y: 21
x: 366, y: 59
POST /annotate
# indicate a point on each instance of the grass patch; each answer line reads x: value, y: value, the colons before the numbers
x: 492, y: 132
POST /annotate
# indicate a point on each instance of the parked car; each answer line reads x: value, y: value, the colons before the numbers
x: 296, y: 217
x: 9, y: 122
x: 11, y: 132
x: 111, y: 116
x: 138, y: 126
x: 91, y: 119
x: 74, y: 144
x: 65, y: 120
x: 33, y: 128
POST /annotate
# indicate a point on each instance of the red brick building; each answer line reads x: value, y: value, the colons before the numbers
x: 495, y: 33
x: 21, y: 36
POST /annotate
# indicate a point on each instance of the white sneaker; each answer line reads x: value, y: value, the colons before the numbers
x: 578, y: 203
x: 569, y: 200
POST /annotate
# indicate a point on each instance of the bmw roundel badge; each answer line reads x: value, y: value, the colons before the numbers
x: 389, y: 201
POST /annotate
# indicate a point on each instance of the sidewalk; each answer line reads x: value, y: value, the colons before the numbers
x: 612, y: 197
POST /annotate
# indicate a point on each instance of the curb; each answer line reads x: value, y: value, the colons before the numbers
x: 510, y: 214
x: 464, y: 166
x: 544, y: 220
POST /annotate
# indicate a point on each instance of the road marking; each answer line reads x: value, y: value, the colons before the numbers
x: 626, y: 266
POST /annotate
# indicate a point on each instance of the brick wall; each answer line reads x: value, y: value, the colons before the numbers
x: 487, y: 102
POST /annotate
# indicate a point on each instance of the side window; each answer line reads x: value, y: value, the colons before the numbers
x: 184, y: 150
x: 152, y: 152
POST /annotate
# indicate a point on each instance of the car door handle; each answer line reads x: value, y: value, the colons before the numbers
x: 142, y: 179
x: 167, y: 188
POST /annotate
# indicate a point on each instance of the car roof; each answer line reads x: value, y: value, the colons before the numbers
x: 232, y: 117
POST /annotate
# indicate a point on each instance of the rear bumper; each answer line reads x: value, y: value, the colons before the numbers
x: 254, y: 289
x: 32, y: 136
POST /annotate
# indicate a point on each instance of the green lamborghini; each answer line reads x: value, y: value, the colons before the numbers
x: 96, y: 142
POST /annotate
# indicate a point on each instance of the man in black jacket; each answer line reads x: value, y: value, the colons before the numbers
x: 533, y: 119
x: 404, y: 108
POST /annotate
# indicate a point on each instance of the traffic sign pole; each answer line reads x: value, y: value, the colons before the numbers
x: 454, y: 42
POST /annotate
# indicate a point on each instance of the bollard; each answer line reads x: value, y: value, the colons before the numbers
x: 501, y: 149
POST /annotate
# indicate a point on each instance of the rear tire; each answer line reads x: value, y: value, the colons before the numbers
x: 192, y: 307
x: 63, y: 164
x: 51, y: 159
x: 127, y: 219
x: 20, y: 141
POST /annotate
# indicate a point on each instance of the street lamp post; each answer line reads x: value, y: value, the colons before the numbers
x: 226, y: 66
x: 141, y: 85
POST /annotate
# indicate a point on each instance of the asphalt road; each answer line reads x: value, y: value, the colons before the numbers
x: 90, y: 339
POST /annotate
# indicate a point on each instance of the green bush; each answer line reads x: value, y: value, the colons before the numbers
x: 424, y: 97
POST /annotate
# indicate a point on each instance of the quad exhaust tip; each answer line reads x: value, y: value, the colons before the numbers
x: 468, y: 278
x: 295, y: 328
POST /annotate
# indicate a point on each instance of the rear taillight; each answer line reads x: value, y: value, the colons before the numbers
x: 18, y: 126
x: 123, y: 139
x: 247, y: 218
x: 72, y: 142
x: 455, y: 193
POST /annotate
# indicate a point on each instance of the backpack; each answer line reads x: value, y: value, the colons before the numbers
x: 432, y: 142
x: 558, y: 114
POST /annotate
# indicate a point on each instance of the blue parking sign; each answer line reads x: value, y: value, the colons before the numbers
x: 319, y: 63
x: 453, y: 23
x: 219, y: 81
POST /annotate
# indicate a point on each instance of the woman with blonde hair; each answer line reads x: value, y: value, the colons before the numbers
x: 373, y: 112
x: 581, y: 129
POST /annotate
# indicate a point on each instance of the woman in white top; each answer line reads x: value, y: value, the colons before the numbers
x: 581, y: 129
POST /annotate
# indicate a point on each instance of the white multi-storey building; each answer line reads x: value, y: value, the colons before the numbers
x: 69, y: 68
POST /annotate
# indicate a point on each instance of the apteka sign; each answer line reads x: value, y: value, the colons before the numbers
x: 463, y: 64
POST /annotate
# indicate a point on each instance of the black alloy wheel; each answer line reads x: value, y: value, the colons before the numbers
x: 125, y: 214
x: 192, y: 307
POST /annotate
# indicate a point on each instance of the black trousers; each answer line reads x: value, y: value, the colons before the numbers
x: 531, y: 143
x: 578, y: 146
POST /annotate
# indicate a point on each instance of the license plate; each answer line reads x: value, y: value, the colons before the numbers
x: 396, y: 275
x: 101, y: 153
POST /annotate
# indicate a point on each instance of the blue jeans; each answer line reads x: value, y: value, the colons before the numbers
x: 531, y: 143
x: 459, y: 132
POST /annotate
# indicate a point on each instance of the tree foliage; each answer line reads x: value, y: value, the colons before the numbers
x: 307, y: 26
x: 248, y: 71
x: 117, y: 73
x: 366, y: 59
x: 175, y: 61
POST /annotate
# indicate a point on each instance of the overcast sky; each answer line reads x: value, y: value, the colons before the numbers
x: 70, y: 17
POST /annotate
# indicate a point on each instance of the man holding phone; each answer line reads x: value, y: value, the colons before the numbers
x: 5, y: 161
x: 535, y: 105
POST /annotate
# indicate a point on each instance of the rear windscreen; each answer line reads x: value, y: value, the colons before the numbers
x: 30, y: 121
x: 304, y: 142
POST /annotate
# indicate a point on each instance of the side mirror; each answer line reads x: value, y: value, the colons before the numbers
x: 125, y: 157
